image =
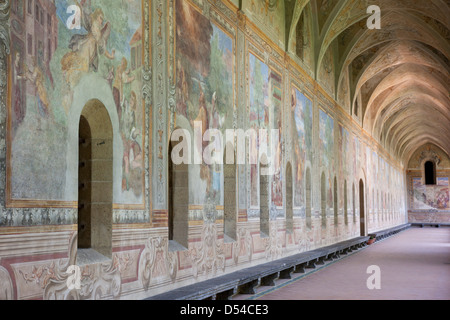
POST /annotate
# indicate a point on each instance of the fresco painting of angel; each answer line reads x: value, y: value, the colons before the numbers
x: 86, y: 48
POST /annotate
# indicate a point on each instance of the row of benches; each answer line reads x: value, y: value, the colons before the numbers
x: 246, y: 280
x: 380, y: 235
x: 430, y: 224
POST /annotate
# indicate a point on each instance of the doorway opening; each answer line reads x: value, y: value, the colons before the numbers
x: 95, y: 184
x: 430, y: 173
x: 362, y: 219
x: 289, y: 200
x: 345, y: 203
x: 308, y: 199
x: 178, y: 213
x: 229, y: 186
x: 335, y: 202
x: 323, y: 200
x: 264, y: 202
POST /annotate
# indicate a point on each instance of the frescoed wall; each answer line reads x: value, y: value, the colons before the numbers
x: 54, y: 61
x: 157, y: 66
x: 326, y: 147
x: 204, y: 92
x: 301, y: 117
x: 436, y: 197
x: 265, y: 99
x: 428, y: 203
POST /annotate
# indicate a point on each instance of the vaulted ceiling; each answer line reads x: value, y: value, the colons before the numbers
x: 399, y: 75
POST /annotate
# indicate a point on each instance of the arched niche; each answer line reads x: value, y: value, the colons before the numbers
x: 92, y: 88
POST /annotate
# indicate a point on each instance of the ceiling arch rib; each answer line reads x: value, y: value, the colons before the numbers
x: 396, y: 27
x: 409, y: 152
x: 405, y: 132
x: 351, y: 12
x: 400, y: 73
x: 362, y: 45
x: 398, y: 53
x: 416, y: 127
x: 414, y: 142
x: 398, y: 116
x: 403, y: 108
x: 298, y: 9
x: 404, y: 82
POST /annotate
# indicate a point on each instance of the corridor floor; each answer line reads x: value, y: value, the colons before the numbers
x: 413, y: 265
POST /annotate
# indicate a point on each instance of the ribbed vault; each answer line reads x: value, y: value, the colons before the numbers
x: 398, y: 76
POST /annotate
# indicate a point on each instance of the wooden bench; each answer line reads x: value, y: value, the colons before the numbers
x: 430, y: 224
x: 246, y: 280
x: 382, y: 234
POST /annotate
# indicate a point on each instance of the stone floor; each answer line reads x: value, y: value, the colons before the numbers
x: 413, y: 265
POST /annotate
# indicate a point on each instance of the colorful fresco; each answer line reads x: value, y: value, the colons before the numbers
x: 259, y: 115
x: 326, y: 147
x: 431, y: 196
x: 301, y: 111
x: 442, y: 181
x: 204, y: 91
x: 219, y: 63
x: 343, y: 154
x: 55, y: 54
x: 275, y: 115
x: 265, y: 102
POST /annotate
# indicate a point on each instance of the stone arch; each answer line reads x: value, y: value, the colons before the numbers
x: 323, y: 199
x: 83, y: 93
x: 308, y: 198
x: 230, y: 187
x: 289, y: 199
x: 264, y: 198
x: 95, y: 183
x: 178, y: 197
x: 335, y: 202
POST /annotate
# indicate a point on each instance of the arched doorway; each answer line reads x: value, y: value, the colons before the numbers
x: 229, y: 190
x: 345, y: 203
x: 95, y: 183
x: 264, y: 201
x: 323, y: 200
x: 289, y: 200
x: 308, y: 199
x: 178, y: 191
x: 362, y: 213
x: 335, y: 203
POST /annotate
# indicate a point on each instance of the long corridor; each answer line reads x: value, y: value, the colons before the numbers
x: 412, y: 265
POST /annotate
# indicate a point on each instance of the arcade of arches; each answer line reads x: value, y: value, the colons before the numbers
x: 92, y: 118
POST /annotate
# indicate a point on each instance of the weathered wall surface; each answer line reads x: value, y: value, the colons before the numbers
x: 168, y: 64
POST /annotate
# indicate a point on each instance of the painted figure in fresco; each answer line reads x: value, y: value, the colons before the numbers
x: 19, y: 105
x: 277, y: 184
x: 442, y: 199
x: 216, y: 123
x: 86, y: 48
x: 36, y: 77
x: 254, y: 145
x: 122, y: 77
x: 203, y: 117
x: 132, y: 155
x: 298, y: 176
